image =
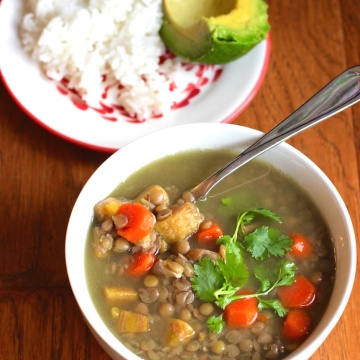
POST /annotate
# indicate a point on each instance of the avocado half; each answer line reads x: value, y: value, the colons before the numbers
x: 213, y: 31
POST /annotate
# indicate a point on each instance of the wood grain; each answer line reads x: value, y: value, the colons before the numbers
x: 41, y: 176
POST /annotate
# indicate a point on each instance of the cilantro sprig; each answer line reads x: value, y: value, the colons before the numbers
x: 247, y: 216
x: 219, y: 281
x: 284, y: 277
x: 263, y: 241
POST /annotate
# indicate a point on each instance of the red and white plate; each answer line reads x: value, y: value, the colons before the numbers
x: 211, y: 94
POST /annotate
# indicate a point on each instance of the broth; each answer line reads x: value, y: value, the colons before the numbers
x: 256, y: 185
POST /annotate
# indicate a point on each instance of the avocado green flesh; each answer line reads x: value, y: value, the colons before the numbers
x: 186, y: 13
x: 183, y: 46
x: 223, y: 34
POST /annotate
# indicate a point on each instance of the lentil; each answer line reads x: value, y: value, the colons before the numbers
x: 182, y: 247
x: 218, y: 347
x: 151, y: 281
x: 206, y: 309
x: 120, y: 221
x: 166, y: 310
x: 246, y: 345
x: 121, y: 245
x: 163, y: 214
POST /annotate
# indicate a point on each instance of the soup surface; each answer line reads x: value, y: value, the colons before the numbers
x: 245, y: 274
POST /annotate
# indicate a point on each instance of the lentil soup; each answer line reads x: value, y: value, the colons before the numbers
x: 257, y: 240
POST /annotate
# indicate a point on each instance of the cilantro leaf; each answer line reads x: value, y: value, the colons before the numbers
x: 264, y: 285
x: 273, y: 304
x: 234, y: 272
x: 286, y: 273
x: 233, y: 268
x: 207, y: 279
x: 247, y: 216
x: 257, y: 243
x: 215, y: 323
x: 226, y: 240
x: 265, y: 241
x: 280, y: 243
x: 227, y: 201
x: 267, y: 213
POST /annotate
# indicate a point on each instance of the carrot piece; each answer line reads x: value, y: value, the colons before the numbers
x: 301, y: 247
x: 210, y: 234
x: 296, y: 325
x: 141, y: 264
x: 242, y: 312
x: 140, y: 222
x: 300, y: 294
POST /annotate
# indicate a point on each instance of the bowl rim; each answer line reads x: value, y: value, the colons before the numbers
x: 336, y: 305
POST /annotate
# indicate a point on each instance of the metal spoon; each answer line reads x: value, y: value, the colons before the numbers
x: 340, y: 93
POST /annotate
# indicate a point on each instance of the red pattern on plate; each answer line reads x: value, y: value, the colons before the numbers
x: 201, y: 75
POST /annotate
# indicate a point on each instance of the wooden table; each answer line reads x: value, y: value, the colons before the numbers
x: 41, y: 176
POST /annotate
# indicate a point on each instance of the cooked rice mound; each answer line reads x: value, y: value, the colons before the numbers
x: 86, y: 42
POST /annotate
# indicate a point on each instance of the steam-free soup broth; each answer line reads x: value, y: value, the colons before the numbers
x: 244, y: 274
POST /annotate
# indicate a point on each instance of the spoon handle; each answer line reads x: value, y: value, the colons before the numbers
x: 340, y: 93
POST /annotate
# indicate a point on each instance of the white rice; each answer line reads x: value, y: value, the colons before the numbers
x: 83, y: 40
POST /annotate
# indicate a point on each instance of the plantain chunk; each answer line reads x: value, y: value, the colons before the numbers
x: 177, y: 332
x: 183, y: 222
x: 130, y: 322
x: 120, y: 294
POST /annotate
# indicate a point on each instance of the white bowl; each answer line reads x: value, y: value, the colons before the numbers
x: 206, y: 136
